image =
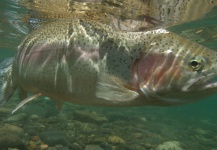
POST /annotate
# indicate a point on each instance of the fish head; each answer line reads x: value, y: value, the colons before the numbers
x: 175, y: 70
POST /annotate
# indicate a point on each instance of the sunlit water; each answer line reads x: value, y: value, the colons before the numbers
x: 194, y: 125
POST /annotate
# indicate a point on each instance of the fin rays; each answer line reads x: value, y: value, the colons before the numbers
x: 7, y: 87
x: 109, y: 89
x: 23, y: 102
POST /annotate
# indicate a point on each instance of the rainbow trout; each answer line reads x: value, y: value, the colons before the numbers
x: 86, y: 62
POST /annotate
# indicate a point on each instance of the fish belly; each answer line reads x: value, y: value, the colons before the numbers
x: 58, y: 69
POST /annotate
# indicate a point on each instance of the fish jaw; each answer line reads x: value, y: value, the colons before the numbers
x: 170, y: 76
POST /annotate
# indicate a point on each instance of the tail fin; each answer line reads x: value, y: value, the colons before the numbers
x: 7, y: 87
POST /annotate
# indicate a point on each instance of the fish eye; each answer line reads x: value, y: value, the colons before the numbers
x: 196, y: 63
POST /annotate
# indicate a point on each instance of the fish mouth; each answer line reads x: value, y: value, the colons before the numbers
x: 194, y: 89
x: 210, y: 85
x: 202, y: 82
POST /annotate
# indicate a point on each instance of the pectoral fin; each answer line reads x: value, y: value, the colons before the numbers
x: 110, y: 89
x: 23, y: 102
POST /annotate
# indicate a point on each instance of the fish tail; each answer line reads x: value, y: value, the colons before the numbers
x: 7, y: 87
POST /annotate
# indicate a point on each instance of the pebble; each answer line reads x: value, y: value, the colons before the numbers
x: 143, y: 119
x: 201, y: 131
x: 35, y: 110
x: 34, y: 117
x: 17, y: 117
x: 12, y: 129
x: 58, y: 147
x: 69, y: 132
x: 206, y: 141
x: 9, y: 140
x: 53, y: 138
x: 113, y: 139
x: 42, y: 111
x: 137, y: 135
x: 80, y: 126
x: 10, y: 137
x: 171, y: 145
x: 137, y: 147
x: 76, y: 146
x: 92, y: 147
x: 5, y: 111
x: 85, y: 116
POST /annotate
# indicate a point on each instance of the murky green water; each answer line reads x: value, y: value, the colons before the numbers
x: 39, y: 125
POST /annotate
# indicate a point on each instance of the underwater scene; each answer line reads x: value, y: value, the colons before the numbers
x: 49, y: 124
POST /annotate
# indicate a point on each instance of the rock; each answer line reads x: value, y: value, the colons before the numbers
x: 71, y: 125
x: 5, y: 111
x: 106, y: 146
x: 98, y: 139
x: 34, y: 117
x: 10, y: 137
x: 87, y: 127
x: 206, y: 141
x: 12, y: 130
x: 53, y: 138
x: 85, y: 116
x: 137, y: 135
x: 51, y: 110
x: 42, y: 111
x: 201, y: 131
x: 17, y: 117
x: 9, y: 140
x: 35, y: 110
x: 135, y: 147
x: 171, y: 145
x: 116, y: 116
x: 92, y: 147
x: 116, y: 140
x: 58, y: 147
x: 143, y: 119
x: 76, y: 146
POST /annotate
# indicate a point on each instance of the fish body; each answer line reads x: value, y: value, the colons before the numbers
x: 86, y: 62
